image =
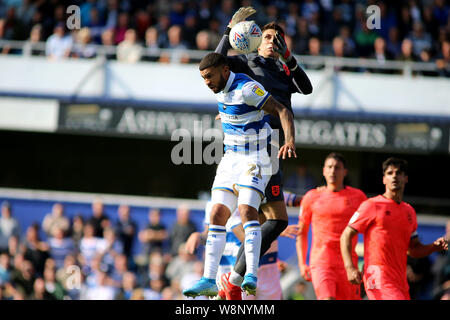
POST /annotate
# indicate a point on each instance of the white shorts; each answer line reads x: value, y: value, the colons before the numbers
x: 238, y: 170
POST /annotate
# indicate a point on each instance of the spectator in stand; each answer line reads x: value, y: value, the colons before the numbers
x: 190, y: 30
x: 380, y: 55
x: 421, y: 40
x: 23, y: 278
x: 99, y: 219
x: 163, y: 26
x: 110, y: 248
x: 177, y: 13
x: 178, y: 46
x: 407, y: 51
x: 59, y: 44
x: 349, y: 44
x: 292, y: 17
x: 180, y: 265
x: 302, y: 36
x: 430, y: 23
x: 39, y: 291
x: 84, y: 48
x: 32, y: 46
x: 388, y: 20
x: 90, y: 246
x: 154, y: 235
x: 60, y: 247
x: 9, y: 226
x: 202, y: 41
x: 128, y: 285
x: 65, y: 276
x: 101, y: 290
x: 152, y: 48
x: 56, y: 220
x: 129, y: 50
x: 153, y: 291
x: 142, y: 22
x: 5, y: 268
x: 394, y: 46
x: 314, y: 50
x: 53, y: 286
x: 215, y: 33
x: 34, y: 249
x: 14, y: 246
x: 108, y: 42
x: 120, y: 269
x: 76, y: 231
x: 156, y: 269
x: 123, y: 25
x: 95, y: 25
x: 365, y: 39
x: 181, y: 230
x: 126, y: 229
x: 443, y: 60
x: 112, y: 14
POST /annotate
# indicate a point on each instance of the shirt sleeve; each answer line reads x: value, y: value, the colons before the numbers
x: 363, y: 217
x: 254, y: 94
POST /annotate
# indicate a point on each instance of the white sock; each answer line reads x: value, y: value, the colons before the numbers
x: 215, y: 244
x: 252, y: 246
x: 236, y: 278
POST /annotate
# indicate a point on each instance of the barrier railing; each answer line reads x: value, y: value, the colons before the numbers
x: 336, y: 64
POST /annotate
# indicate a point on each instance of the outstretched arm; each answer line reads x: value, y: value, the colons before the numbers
x: 418, y: 250
x: 300, y: 78
x: 275, y: 108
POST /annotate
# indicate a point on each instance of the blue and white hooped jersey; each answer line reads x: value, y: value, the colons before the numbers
x: 243, y: 121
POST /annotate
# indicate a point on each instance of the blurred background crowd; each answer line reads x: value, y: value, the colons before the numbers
x: 410, y: 30
x: 90, y: 256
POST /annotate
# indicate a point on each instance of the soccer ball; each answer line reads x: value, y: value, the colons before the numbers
x: 245, y: 37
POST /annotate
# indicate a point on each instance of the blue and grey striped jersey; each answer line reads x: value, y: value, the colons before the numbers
x: 240, y: 106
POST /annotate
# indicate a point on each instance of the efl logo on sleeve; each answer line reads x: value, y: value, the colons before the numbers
x: 258, y: 90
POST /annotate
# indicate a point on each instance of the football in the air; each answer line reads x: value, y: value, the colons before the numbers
x: 245, y: 37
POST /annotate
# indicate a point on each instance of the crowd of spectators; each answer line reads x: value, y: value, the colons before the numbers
x: 410, y: 30
x: 90, y: 257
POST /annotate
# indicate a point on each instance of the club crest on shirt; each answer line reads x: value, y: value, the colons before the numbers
x: 275, y: 191
x: 258, y: 90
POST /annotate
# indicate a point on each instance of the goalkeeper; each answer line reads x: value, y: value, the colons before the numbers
x: 281, y: 79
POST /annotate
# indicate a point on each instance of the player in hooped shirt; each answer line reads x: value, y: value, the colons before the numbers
x: 389, y: 226
x: 245, y: 168
x: 328, y: 209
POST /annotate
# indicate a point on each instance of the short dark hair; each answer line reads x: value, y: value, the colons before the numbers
x: 338, y: 157
x: 212, y: 59
x: 401, y: 164
x: 274, y: 26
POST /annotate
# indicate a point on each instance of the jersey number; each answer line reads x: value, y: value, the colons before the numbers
x: 253, y: 168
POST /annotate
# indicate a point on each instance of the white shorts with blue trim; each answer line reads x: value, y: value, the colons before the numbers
x: 239, y: 170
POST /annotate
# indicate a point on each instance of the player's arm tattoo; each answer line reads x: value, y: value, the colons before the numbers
x: 275, y: 108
